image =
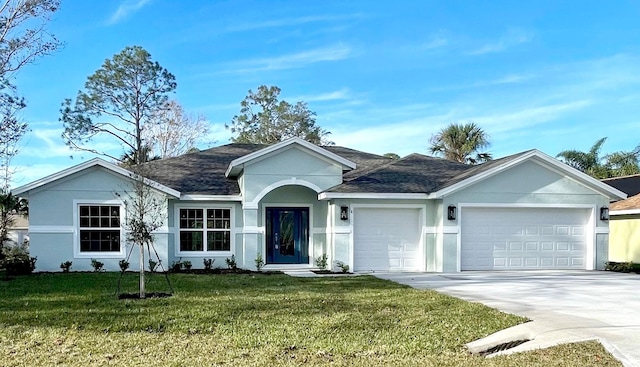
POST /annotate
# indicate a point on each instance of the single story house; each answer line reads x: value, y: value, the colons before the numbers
x: 624, y: 236
x: 293, y: 201
x: 18, y: 232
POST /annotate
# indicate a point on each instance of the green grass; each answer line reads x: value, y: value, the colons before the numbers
x: 75, y: 319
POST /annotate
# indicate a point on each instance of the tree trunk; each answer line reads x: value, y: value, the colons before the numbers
x: 142, y: 292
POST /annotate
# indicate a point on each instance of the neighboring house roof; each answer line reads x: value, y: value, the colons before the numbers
x: 627, y: 184
x: 627, y: 206
x: 95, y: 162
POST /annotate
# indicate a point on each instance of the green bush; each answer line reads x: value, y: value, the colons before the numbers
x: 231, y: 263
x: 259, y: 262
x: 17, y: 260
x: 622, y: 267
x: 187, y: 265
x: 124, y: 265
x: 343, y: 267
x: 322, y: 262
x: 66, y: 266
x: 98, y: 266
x: 208, y: 264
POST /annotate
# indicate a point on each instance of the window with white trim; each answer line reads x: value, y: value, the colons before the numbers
x: 100, y: 229
x: 205, y: 229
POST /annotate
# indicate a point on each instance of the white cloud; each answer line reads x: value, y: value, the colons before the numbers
x: 341, y: 94
x: 437, y: 41
x: 126, y: 8
x: 512, y: 38
x: 295, y: 60
x: 509, y: 120
x: 290, y: 22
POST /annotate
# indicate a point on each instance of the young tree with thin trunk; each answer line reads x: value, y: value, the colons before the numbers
x: 117, y: 104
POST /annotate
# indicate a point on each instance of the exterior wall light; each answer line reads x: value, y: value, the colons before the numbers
x: 604, y: 213
x: 451, y: 212
x: 344, y: 213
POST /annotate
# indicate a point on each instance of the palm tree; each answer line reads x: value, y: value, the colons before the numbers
x: 461, y: 143
x: 611, y: 165
x: 130, y: 158
x: 623, y: 163
x: 587, y: 162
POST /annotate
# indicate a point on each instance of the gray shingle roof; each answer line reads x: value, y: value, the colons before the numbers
x: 204, y: 172
x: 200, y: 172
x: 415, y: 173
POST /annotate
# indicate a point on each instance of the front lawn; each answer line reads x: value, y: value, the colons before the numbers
x: 74, y: 319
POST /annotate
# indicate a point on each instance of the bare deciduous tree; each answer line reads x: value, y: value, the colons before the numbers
x: 173, y: 131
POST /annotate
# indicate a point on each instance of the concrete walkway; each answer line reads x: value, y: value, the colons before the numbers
x: 565, y: 306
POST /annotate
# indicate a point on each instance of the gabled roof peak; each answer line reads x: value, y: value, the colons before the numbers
x: 237, y: 165
x: 95, y: 162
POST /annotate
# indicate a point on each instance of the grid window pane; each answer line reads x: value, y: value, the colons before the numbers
x: 99, y: 228
x: 99, y: 216
x: 191, y: 218
x: 99, y: 241
x: 219, y: 218
x: 191, y: 241
x: 219, y: 241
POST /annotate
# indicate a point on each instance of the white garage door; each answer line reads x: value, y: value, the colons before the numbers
x: 386, y: 239
x: 524, y: 238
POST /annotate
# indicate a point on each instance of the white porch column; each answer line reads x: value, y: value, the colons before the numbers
x: 250, y: 239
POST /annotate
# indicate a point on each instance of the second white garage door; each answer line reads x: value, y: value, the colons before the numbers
x: 386, y: 239
x: 524, y: 238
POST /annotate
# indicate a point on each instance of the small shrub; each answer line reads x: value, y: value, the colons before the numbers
x: 208, y: 264
x: 124, y: 265
x: 187, y: 265
x: 66, y: 266
x: 152, y: 265
x: 231, y: 263
x: 17, y: 260
x: 97, y: 265
x: 259, y: 262
x: 623, y: 267
x: 176, y: 266
x: 343, y: 267
x: 321, y: 262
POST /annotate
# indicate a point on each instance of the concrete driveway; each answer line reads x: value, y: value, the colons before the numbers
x: 565, y: 306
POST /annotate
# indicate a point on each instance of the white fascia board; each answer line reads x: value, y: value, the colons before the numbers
x: 187, y: 197
x: 365, y: 195
x: 624, y: 212
x: 88, y: 164
x: 556, y: 164
x: 236, y: 165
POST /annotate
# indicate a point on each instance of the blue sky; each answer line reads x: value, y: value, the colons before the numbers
x: 382, y: 76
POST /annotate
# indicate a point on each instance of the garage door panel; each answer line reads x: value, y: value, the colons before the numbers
x: 531, y: 238
x: 387, y: 239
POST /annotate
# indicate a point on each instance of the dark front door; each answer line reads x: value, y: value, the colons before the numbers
x: 287, y: 235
